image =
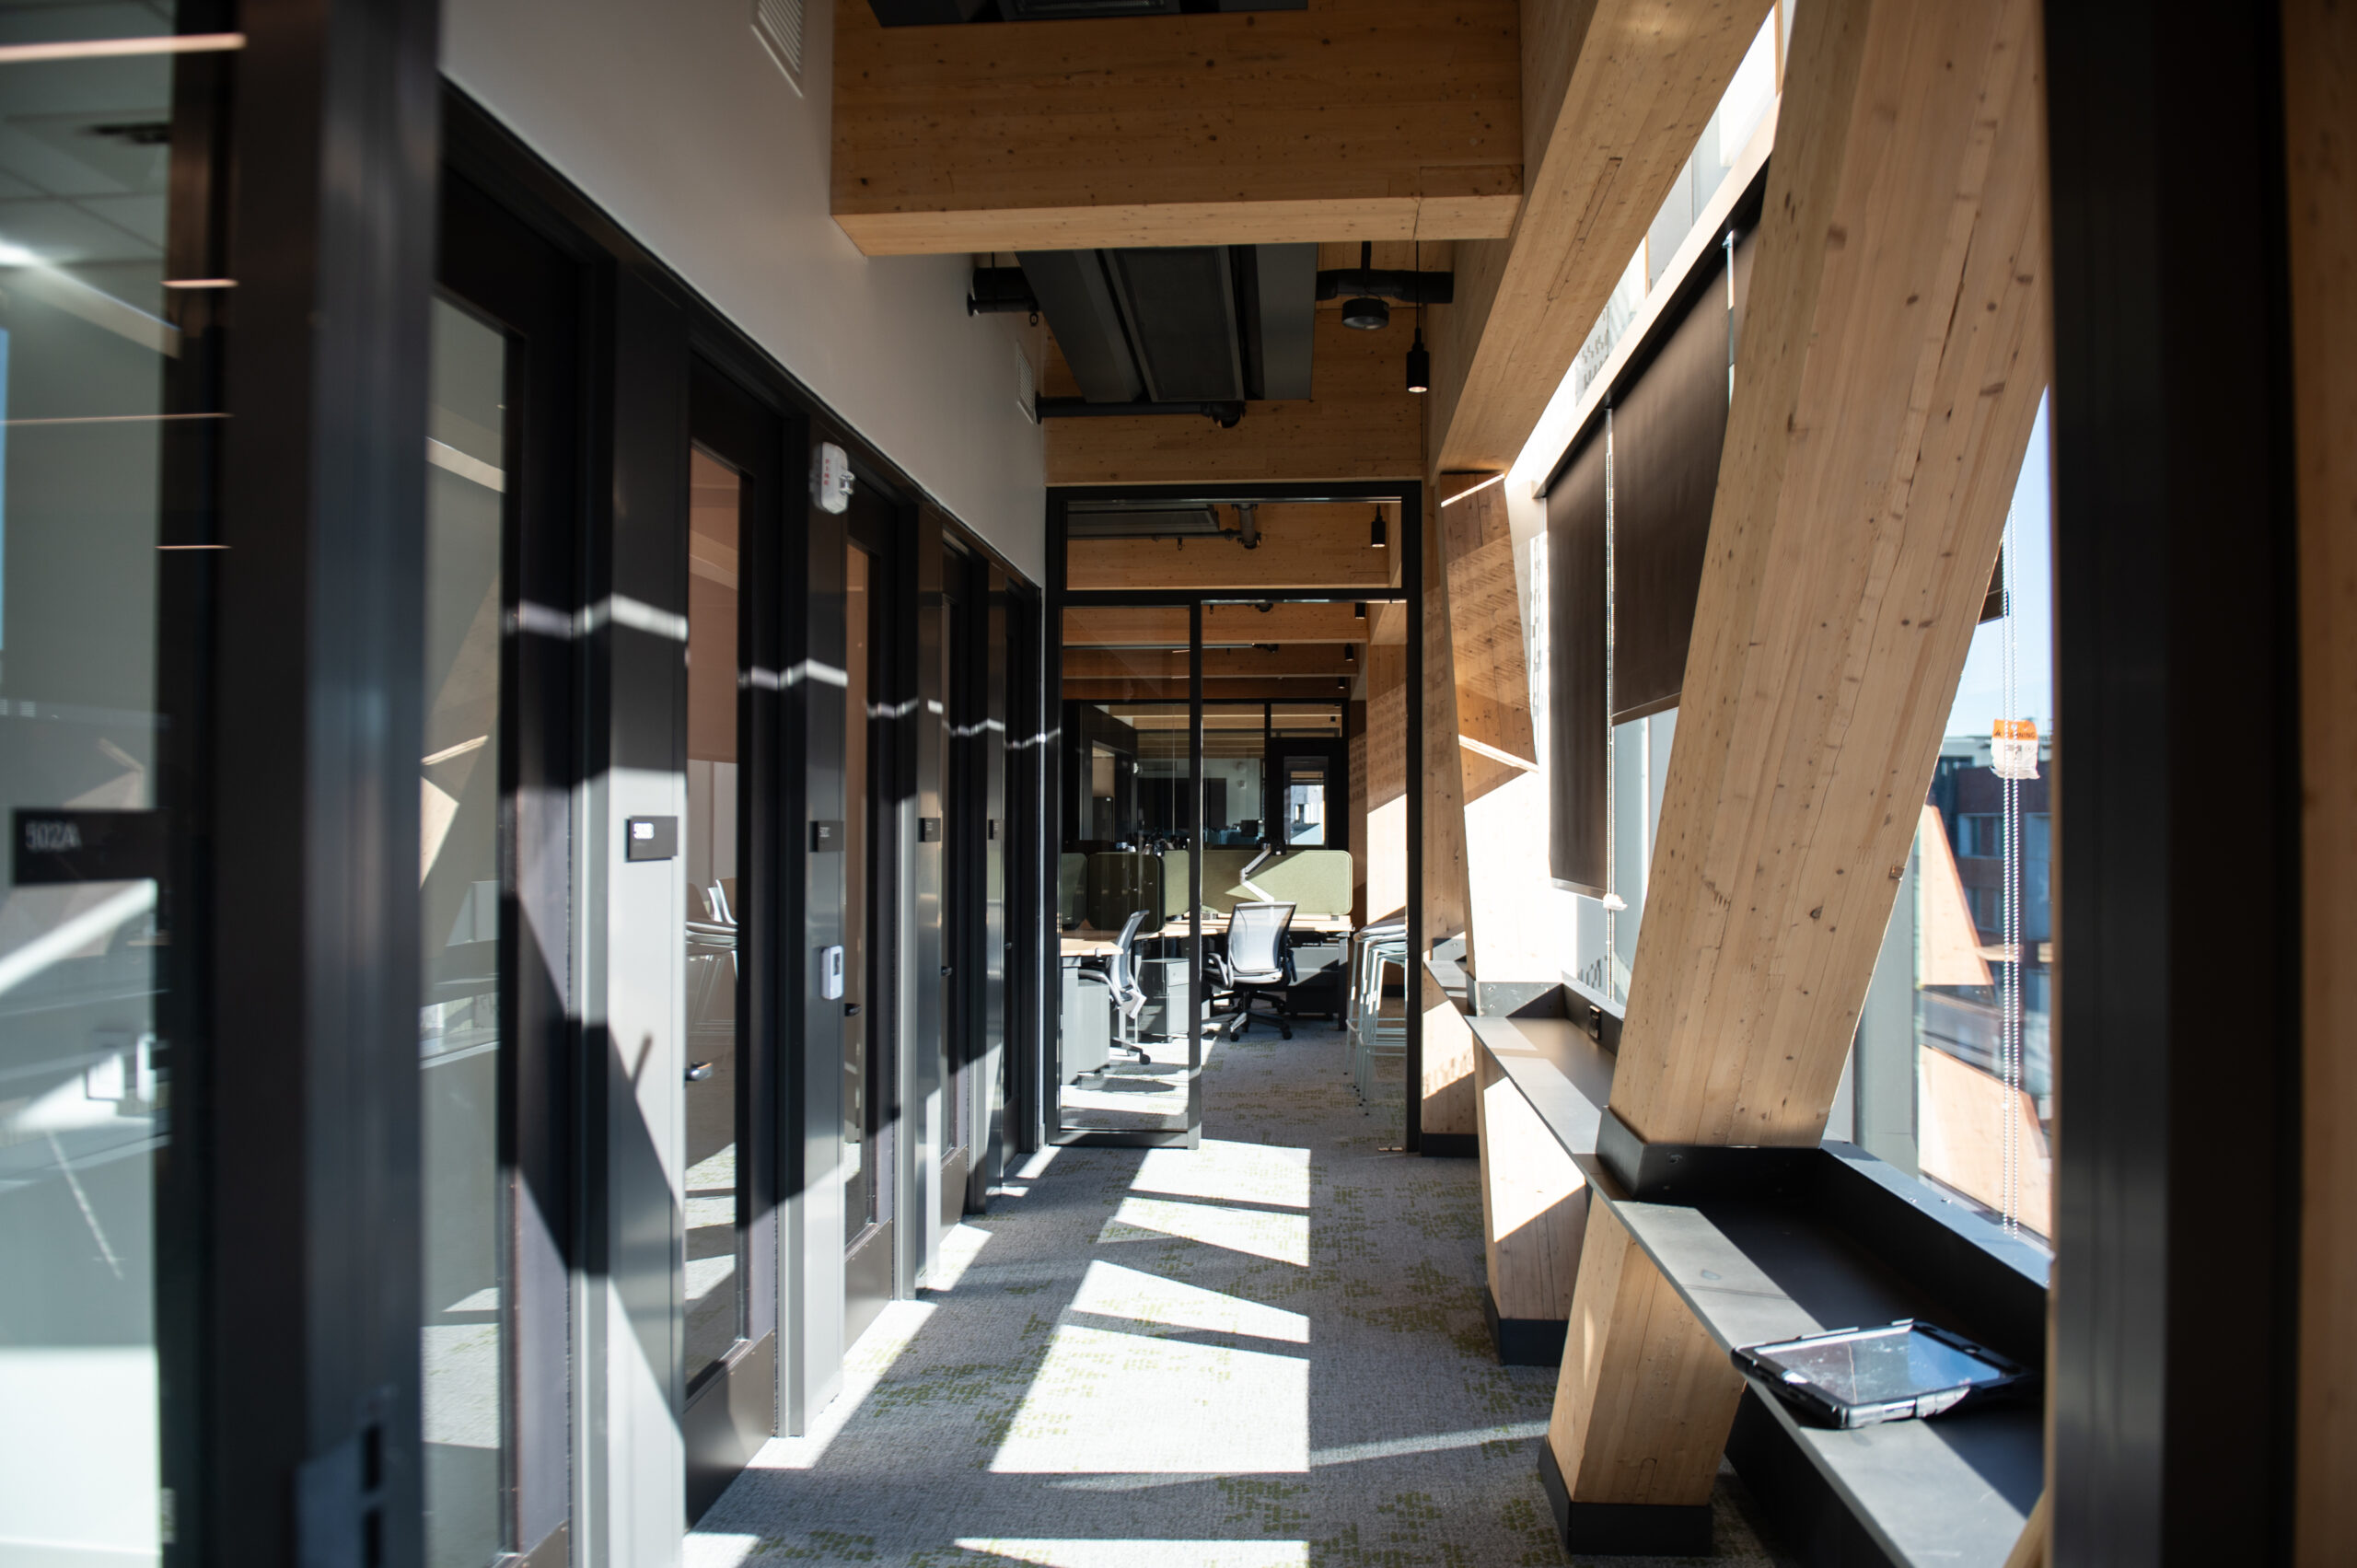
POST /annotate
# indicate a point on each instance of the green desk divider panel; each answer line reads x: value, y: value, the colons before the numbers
x: 1316, y: 881
x: 1072, y: 889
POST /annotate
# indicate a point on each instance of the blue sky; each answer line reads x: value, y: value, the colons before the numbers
x: 1980, y: 695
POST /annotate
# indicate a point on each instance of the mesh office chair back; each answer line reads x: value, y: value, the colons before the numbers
x: 1256, y: 943
x: 1128, y: 994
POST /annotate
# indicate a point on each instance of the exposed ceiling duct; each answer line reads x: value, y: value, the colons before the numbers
x: 1141, y: 519
x: 1171, y: 328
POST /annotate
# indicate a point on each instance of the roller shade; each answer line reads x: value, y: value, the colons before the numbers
x: 1667, y: 430
x: 1577, y: 735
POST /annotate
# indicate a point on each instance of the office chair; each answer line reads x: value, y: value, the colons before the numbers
x: 1128, y: 996
x: 1257, y: 962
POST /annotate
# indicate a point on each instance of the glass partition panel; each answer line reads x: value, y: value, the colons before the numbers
x: 860, y: 1177
x: 93, y: 414
x: 715, y: 1276
x: 1128, y: 1026
x: 463, y: 1008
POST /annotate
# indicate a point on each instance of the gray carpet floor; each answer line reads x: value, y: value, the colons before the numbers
x: 1266, y: 1353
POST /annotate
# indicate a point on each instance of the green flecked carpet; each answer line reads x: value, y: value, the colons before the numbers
x: 1268, y: 1353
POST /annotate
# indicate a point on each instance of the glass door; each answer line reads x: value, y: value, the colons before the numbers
x: 1130, y: 1022
x: 872, y: 724
x: 728, y: 1179
x: 495, y: 893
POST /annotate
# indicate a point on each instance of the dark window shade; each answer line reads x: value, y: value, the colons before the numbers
x: 1580, y: 850
x: 1667, y: 430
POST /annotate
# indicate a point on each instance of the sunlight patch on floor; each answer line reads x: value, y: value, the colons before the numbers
x: 960, y: 1244
x: 1148, y: 1553
x: 870, y: 1360
x: 1134, y: 1404
x: 1235, y: 1173
x: 1108, y: 1290
x: 1284, y: 1238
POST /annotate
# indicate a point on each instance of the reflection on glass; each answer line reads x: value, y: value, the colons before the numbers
x: 715, y: 1276
x: 1955, y: 1066
x: 458, y: 895
x: 84, y: 1087
x: 859, y: 1176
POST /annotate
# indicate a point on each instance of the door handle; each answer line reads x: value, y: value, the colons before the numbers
x: 850, y: 1009
x: 698, y: 1072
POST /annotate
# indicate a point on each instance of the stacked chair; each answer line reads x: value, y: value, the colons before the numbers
x: 1375, y: 949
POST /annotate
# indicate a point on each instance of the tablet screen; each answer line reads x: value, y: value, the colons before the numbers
x: 1889, y: 1363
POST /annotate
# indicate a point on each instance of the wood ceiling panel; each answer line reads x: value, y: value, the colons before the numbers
x: 1302, y: 546
x: 1360, y: 422
x: 1351, y: 119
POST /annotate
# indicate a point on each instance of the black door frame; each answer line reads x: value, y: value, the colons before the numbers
x: 1409, y: 494
x: 501, y: 271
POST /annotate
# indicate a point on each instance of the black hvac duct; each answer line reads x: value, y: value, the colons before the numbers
x: 1222, y: 414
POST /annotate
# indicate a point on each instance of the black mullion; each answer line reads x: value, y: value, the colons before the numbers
x: 1195, y: 1012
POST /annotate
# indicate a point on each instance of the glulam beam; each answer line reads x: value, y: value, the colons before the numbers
x: 1613, y: 98
x: 1347, y: 120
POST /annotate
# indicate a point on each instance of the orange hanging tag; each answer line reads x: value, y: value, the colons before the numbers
x: 2013, y: 750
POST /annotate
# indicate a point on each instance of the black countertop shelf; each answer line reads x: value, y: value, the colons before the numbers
x: 1848, y: 1243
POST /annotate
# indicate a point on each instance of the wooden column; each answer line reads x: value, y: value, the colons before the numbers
x: 1447, y: 1087
x: 1893, y: 354
x: 2321, y: 103
x: 1634, y: 1441
x: 1534, y: 1213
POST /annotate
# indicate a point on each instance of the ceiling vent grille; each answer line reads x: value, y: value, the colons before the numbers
x: 778, y: 24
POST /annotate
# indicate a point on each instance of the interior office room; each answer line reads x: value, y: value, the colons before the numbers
x: 1127, y: 783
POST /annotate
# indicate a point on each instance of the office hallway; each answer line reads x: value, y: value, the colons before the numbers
x: 1266, y: 1353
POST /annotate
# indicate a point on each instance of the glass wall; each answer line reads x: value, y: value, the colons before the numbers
x: 1126, y: 1049
x: 463, y: 1003
x: 104, y: 414
x: 1953, y: 1075
x: 860, y: 1179
x: 709, y: 863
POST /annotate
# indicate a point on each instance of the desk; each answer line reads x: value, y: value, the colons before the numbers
x: 1088, y: 942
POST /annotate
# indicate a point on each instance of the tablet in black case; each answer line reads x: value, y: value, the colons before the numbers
x: 1859, y: 1376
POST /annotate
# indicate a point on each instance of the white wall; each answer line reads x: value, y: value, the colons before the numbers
x: 674, y: 120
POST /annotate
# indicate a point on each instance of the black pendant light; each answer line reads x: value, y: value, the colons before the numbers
x: 1419, y: 364
x: 1374, y: 533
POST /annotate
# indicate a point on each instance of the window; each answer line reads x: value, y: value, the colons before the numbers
x: 1977, y: 836
x: 1952, y: 1075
